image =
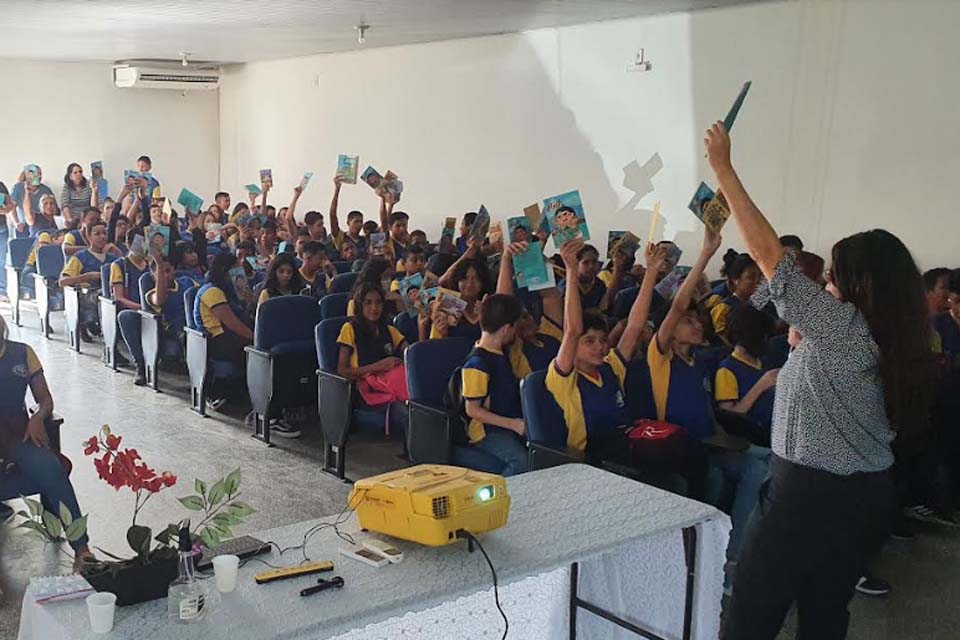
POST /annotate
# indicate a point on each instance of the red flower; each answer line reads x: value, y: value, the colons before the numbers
x: 168, y: 479
x: 154, y: 485
x: 91, y: 446
x: 113, y: 442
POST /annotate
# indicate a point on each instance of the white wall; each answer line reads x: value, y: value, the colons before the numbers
x: 54, y: 113
x: 846, y: 127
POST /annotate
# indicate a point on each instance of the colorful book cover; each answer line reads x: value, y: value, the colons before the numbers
x: 266, y: 177
x: 565, y: 217
x: 96, y: 169
x: 410, y: 291
x: 213, y: 230
x: 254, y: 189
x: 427, y: 296
x: 447, y: 242
x: 347, y: 167
x: 378, y: 244
x: 372, y: 178
x: 241, y: 286
x: 668, y: 287
x: 481, y: 224
x: 496, y: 232
x: 613, y: 238
x: 138, y: 247
x: 711, y: 208
x: 673, y: 256
x: 390, y: 184
x: 190, y: 201
x: 534, y: 215
x: 305, y: 180
x: 735, y: 109
x: 3, y: 199
x: 158, y: 239
x: 258, y: 263
x: 530, y: 268
x: 550, y: 282
x: 451, y: 304
x: 31, y: 174
x: 520, y: 229
x: 628, y: 244
x: 131, y: 177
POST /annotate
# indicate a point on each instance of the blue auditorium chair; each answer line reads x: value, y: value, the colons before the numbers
x: 430, y: 434
x: 108, y: 319
x: 343, y: 266
x: 343, y: 283
x: 282, y: 363
x: 151, y: 331
x: 334, y: 305
x: 406, y: 323
x: 201, y: 370
x: 546, y: 427
x: 18, y: 250
x: 49, y: 265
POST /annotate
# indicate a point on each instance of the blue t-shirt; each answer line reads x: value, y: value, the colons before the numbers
x: 734, y: 380
x: 488, y: 377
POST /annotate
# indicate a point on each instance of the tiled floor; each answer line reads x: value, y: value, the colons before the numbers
x: 285, y: 485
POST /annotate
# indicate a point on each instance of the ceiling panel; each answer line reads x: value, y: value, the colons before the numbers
x: 247, y: 30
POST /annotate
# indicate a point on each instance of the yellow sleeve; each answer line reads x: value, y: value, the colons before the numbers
x: 726, y: 388
x: 338, y: 239
x: 606, y: 277
x: 712, y: 301
x: 615, y: 360
x: 72, y: 269
x: 395, y: 286
x: 213, y: 297
x: 44, y: 238
x: 264, y: 296
x: 351, y: 311
x: 936, y: 342
x: 518, y: 360
x: 33, y: 362
x: 395, y: 336
x: 116, y: 273
x: 347, y: 336
x: 69, y: 240
x: 550, y: 328
x: 659, y: 364
x: 476, y: 383
x: 564, y: 390
x: 719, y: 316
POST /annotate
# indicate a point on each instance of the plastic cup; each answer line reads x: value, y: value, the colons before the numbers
x: 225, y: 569
x: 101, y: 607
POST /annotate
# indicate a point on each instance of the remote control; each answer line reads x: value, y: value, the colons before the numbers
x: 366, y: 556
x: 293, y: 572
x: 387, y: 550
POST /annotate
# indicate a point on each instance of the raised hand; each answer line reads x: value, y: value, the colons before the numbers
x: 717, y: 141
x: 516, y: 248
x: 654, y: 256
x: 569, y: 251
x: 711, y: 241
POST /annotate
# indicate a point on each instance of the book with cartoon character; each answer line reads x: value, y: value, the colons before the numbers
x: 158, y: 239
x: 565, y: 217
x: 410, y: 291
x: 372, y: 177
x: 347, y: 167
x: 451, y: 304
x: 241, y: 286
x: 31, y: 174
x: 711, y: 208
x: 447, y: 242
x: 266, y: 177
x: 668, y: 287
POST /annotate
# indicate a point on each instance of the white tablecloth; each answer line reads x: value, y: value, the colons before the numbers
x: 625, y: 535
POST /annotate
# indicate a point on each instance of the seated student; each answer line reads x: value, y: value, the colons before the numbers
x: 397, y: 236
x: 315, y: 269
x: 619, y: 274
x: 303, y: 237
x: 414, y: 262
x: 76, y: 239
x: 936, y: 282
x: 743, y: 276
x: 24, y: 444
x: 165, y: 299
x: 681, y: 391
x: 217, y: 311
x: 49, y: 236
x: 593, y: 293
x: 125, y: 280
x: 792, y: 243
x: 350, y: 236
x: 491, y: 388
x: 742, y: 383
x: 465, y: 225
x: 267, y: 243
x: 186, y: 260
x: 471, y: 278
x: 418, y: 238
x: 947, y: 324
x: 283, y: 278
x: 379, y: 271
x: 83, y: 268
x: 118, y: 239
x: 313, y: 221
x: 371, y: 354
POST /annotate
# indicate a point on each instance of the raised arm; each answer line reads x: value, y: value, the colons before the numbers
x: 573, y: 313
x: 162, y: 290
x: 619, y: 269
x: 386, y: 208
x: 334, y: 205
x: 505, y: 277
x: 291, y: 211
x: 640, y: 311
x: 94, y: 194
x: 681, y: 302
x: 446, y: 280
x: 28, y: 214
x: 762, y: 241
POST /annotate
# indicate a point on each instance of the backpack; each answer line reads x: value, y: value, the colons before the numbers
x: 454, y: 403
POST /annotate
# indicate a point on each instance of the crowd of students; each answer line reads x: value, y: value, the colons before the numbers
x: 706, y: 349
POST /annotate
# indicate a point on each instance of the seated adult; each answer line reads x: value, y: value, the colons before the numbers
x: 77, y: 194
x: 40, y: 215
x: 28, y: 463
x: 83, y: 270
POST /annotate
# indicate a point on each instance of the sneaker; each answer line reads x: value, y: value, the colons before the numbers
x: 873, y: 586
x: 215, y: 403
x: 85, y: 335
x: 251, y: 419
x: 284, y: 430
x: 923, y: 513
x: 140, y: 379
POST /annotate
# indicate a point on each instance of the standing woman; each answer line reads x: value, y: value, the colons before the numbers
x: 863, y: 370
x: 77, y: 193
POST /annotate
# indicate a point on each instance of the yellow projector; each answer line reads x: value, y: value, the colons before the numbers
x: 429, y: 503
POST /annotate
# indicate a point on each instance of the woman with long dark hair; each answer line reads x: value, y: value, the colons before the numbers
x: 283, y: 278
x: 77, y: 193
x: 862, y: 375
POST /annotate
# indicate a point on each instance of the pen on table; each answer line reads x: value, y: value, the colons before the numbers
x: 322, y: 585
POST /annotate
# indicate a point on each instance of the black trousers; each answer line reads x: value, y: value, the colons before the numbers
x: 228, y: 346
x: 809, y: 540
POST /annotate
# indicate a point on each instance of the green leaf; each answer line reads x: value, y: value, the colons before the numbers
x: 53, y: 525
x: 200, y: 486
x: 77, y: 529
x: 224, y: 519
x: 65, y: 516
x: 33, y: 525
x: 232, y: 482
x: 210, y: 537
x: 217, y: 493
x: 36, y: 509
x: 194, y: 503
x: 138, y: 537
x: 241, y: 509
x: 224, y: 531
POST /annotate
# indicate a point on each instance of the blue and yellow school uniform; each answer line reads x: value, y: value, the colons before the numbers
x: 591, y: 296
x: 720, y: 313
x: 947, y: 328
x: 590, y: 405
x: 360, y: 243
x: 43, y: 238
x: 681, y: 391
x: 173, y: 311
x: 717, y: 295
x: 535, y: 355
x: 19, y: 365
x: 74, y: 238
x: 367, y: 349
x: 316, y: 286
x: 125, y: 272
x: 628, y: 280
x: 735, y: 378
x: 463, y: 329
x: 85, y: 261
x: 550, y: 328
x: 462, y: 244
x: 209, y: 297
x: 489, y: 378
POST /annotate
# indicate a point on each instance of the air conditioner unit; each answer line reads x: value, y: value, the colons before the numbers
x: 178, y: 78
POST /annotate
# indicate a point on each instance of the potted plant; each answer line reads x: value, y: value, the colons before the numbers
x: 147, y: 574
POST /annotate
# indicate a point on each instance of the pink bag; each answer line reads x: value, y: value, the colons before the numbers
x: 381, y: 388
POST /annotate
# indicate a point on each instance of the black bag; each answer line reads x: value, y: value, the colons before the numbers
x: 454, y: 403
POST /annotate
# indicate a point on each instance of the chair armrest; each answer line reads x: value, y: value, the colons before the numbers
x: 429, y: 434
x: 259, y: 379
x: 544, y: 457
x: 335, y: 406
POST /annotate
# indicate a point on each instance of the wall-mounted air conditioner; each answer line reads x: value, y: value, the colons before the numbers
x: 178, y: 78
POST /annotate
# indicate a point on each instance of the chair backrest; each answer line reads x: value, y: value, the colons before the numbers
x: 343, y: 283
x: 285, y: 319
x: 147, y: 284
x: 343, y: 266
x: 325, y: 334
x: 189, y: 299
x: 429, y: 366
x: 18, y: 250
x: 407, y: 325
x: 50, y: 261
x: 624, y: 300
x: 638, y: 391
x: 105, y: 281
x: 541, y: 413
x: 334, y: 305
x: 710, y: 358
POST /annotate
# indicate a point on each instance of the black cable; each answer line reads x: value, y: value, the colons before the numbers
x: 463, y: 533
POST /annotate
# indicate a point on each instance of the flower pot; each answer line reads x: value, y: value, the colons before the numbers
x: 134, y: 583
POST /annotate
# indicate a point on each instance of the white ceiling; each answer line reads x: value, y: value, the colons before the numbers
x: 246, y: 30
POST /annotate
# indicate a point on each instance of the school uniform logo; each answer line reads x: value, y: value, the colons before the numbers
x: 620, y: 402
x: 21, y: 371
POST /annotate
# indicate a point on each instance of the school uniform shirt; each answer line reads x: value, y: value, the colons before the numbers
x: 19, y: 365
x: 628, y: 280
x: 591, y: 296
x: 316, y: 287
x: 534, y: 355
x: 948, y: 330
x: 173, y: 311
x: 367, y: 349
x: 681, y: 391
x: 720, y: 313
x: 398, y: 249
x: 735, y: 378
x: 550, y: 328
x: 42, y: 238
x: 125, y: 273
x: 74, y: 238
x: 489, y: 378
x: 462, y: 244
x: 590, y: 405
x: 341, y: 237
x: 463, y: 329
x: 86, y: 261
x: 209, y: 297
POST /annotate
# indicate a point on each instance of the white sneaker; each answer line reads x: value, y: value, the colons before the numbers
x: 284, y: 430
x: 215, y: 403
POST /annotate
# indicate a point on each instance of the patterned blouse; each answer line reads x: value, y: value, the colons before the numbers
x: 829, y: 412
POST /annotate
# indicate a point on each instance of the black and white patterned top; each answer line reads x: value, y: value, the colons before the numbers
x: 829, y: 410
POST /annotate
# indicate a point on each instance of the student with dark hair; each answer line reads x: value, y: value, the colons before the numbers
x: 791, y: 243
x: 77, y: 194
x: 471, y: 278
x: 222, y: 200
x: 76, y: 238
x: 351, y: 235
x: 618, y: 275
x: 418, y: 238
x: 125, y: 280
x: 150, y: 186
x: 314, y: 269
x: 593, y: 293
x: 743, y: 385
x: 283, y: 278
x: 379, y: 271
x: 466, y: 223
x: 83, y: 268
x: 369, y: 227
x: 491, y: 388
x: 863, y: 369
x: 743, y: 277
x: 414, y: 261
x: 936, y: 283
x: 397, y: 237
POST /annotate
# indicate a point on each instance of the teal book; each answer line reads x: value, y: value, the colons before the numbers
x: 531, y: 270
x: 565, y: 217
x: 347, y: 167
x: 735, y: 109
x: 190, y: 201
x: 254, y: 189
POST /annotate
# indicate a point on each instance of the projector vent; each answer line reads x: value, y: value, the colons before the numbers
x: 441, y: 507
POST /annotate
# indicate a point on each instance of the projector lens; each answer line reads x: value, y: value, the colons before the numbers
x: 485, y: 493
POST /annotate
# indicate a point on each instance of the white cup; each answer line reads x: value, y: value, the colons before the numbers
x: 225, y: 569
x: 101, y: 606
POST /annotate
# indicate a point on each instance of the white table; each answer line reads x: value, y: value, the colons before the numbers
x: 621, y: 542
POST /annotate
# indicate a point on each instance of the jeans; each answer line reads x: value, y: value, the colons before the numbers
x: 129, y: 322
x: 744, y: 472
x: 27, y: 281
x: 89, y: 308
x: 39, y: 471
x: 506, y: 446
